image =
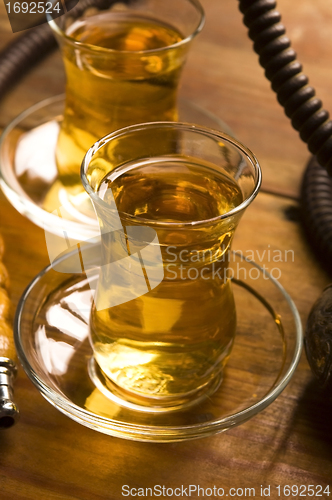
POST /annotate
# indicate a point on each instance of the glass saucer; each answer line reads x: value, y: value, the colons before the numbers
x: 51, y: 335
x: 28, y: 173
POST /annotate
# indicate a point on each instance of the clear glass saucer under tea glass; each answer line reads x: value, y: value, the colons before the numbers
x: 52, y: 340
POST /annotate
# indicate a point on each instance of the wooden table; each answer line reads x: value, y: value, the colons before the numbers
x: 48, y: 456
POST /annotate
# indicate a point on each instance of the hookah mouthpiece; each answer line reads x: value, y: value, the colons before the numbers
x: 8, y: 409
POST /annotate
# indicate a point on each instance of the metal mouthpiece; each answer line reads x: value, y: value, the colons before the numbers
x: 8, y: 409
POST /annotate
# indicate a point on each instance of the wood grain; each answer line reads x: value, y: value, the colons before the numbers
x: 51, y: 457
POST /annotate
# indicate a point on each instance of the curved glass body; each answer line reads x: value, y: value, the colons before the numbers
x: 123, y: 65
x: 168, y: 197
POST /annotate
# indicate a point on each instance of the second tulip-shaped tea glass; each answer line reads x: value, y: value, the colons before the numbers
x: 168, y: 197
x: 123, y: 62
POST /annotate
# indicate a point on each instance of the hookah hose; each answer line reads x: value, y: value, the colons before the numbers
x: 307, y: 117
x: 301, y: 105
x: 312, y: 122
x: 21, y: 54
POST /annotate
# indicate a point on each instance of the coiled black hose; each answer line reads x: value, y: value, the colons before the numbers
x: 316, y: 209
x: 22, y: 54
x: 307, y: 116
x: 312, y: 122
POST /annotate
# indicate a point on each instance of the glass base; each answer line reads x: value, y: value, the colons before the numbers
x: 51, y: 336
x: 29, y: 176
x: 123, y: 398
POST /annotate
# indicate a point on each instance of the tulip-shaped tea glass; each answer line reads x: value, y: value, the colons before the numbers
x: 123, y: 62
x: 168, y: 197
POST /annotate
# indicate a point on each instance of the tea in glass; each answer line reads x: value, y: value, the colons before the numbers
x: 123, y: 66
x: 166, y: 345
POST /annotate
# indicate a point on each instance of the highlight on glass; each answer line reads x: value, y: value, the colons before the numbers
x: 168, y: 197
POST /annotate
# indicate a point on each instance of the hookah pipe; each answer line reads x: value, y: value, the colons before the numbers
x: 8, y: 409
x: 312, y: 122
x: 307, y: 116
x: 305, y: 111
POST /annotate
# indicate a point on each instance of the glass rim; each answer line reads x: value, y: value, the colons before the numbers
x: 182, y: 126
x: 104, y: 50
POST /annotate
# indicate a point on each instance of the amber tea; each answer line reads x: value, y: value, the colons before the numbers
x: 175, y: 339
x: 123, y: 65
x: 121, y: 77
x: 168, y: 197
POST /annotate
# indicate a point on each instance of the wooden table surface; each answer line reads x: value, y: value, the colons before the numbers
x: 47, y: 455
